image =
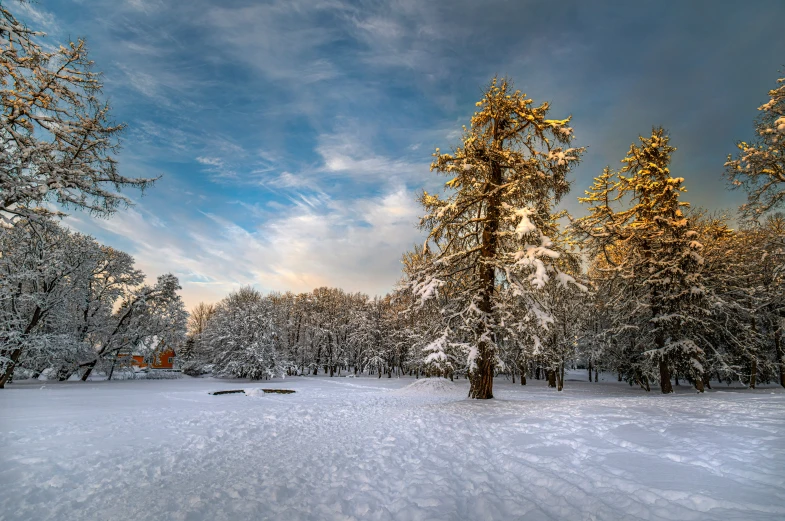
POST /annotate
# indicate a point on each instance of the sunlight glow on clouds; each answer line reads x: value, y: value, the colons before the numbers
x: 294, y: 135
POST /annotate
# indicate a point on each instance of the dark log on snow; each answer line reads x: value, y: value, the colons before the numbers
x: 237, y: 391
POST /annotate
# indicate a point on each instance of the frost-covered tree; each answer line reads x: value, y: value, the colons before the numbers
x: 770, y: 238
x: 194, y: 355
x: 243, y: 338
x: 57, y: 139
x: 85, y: 316
x: 637, y: 214
x: 490, y: 233
x: 565, y: 300
x: 41, y: 266
x: 149, y: 316
x: 759, y: 166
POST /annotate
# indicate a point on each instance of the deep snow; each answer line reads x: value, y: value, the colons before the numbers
x: 355, y: 448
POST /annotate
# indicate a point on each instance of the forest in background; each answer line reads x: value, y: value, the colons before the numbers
x: 642, y: 286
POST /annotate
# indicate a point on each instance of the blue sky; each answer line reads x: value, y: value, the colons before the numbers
x: 293, y: 136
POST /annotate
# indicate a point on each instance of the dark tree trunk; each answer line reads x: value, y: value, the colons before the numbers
x: 481, y: 378
x: 64, y: 373
x: 778, y: 350
x: 596, y: 374
x: 665, y: 377
x: 90, y: 366
x: 551, y: 377
x: 753, y: 361
x: 9, y: 371
x: 699, y: 384
x: 6, y: 377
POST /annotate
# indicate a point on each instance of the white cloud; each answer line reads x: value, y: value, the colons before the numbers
x: 353, y: 244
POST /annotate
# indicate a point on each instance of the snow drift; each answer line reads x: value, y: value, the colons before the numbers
x: 431, y: 386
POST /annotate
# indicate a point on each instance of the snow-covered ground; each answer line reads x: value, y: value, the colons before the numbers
x: 366, y: 448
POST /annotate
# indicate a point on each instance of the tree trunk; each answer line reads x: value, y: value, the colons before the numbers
x: 8, y: 374
x: 699, y: 384
x: 551, y: 374
x: 560, y: 375
x: 589, y: 370
x: 665, y: 377
x: 753, y: 361
x: 90, y: 366
x: 596, y: 374
x: 64, y: 373
x: 481, y: 379
x: 778, y: 351
x: 9, y: 370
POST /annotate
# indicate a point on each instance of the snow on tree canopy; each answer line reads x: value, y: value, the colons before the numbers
x: 490, y: 233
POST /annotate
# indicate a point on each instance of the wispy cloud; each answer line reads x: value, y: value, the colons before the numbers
x: 294, y: 134
x: 314, y: 241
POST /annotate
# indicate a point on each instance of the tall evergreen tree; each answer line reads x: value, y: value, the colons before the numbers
x: 759, y: 166
x: 638, y: 211
x: 490, y: 233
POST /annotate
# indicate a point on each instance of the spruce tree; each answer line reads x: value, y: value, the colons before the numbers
x: 489, y: 234
x: 759, y: 166
x: 638, y: 211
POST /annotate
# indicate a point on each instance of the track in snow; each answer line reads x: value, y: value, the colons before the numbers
x: 355, y: 449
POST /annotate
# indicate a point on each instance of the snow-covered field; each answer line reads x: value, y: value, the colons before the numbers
x: 367, y: 448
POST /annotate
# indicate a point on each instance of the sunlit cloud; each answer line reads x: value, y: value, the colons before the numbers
x: 293, y: 136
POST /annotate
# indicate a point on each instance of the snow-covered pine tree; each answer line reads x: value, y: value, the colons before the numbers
x: 638, y: 210
x: 770, y: 236
x: 490, y: 233
x: 734, y: 343
x: 759, y: 166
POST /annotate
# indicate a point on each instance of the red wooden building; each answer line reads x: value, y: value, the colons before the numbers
x: 163, y: 360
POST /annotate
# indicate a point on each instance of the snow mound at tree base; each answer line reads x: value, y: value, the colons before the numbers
x: 431, y: 386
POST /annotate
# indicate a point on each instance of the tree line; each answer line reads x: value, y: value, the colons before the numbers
x: 642, y: 285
